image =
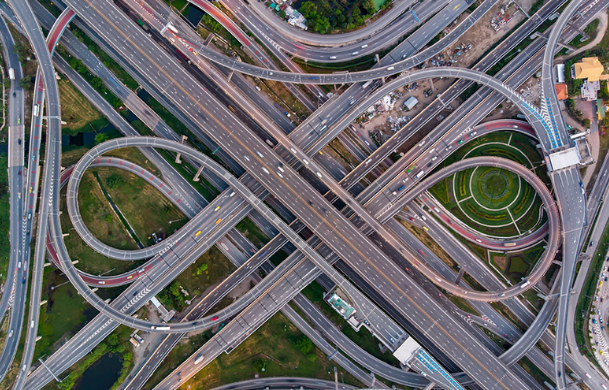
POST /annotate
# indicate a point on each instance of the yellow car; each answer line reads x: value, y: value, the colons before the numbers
x: 218, y: 221
x: 199, y: 232
x: 217, y: 208
x: 425, y: 227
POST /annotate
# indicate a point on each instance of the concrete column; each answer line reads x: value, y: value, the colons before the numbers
x: 460, y: 276
x: 178, y: 161
x: 196, y: 178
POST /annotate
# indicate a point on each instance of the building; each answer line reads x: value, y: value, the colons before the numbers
x: 590, y: 89
x: 410, y: 103
x: 590, y: 68
x: 561, y: 91
x: 341, y: 306
x: 560, y: 73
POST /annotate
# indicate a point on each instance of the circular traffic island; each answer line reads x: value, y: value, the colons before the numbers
x: 491, y: 200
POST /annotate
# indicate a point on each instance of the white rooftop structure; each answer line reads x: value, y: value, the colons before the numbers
x: 411, y: 102
x: 407, y: 350
x: 564, y: 158
x: 560, y: 73
x: 155, y: 302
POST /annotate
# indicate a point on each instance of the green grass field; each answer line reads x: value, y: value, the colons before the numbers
x: 274, y: 347
x: 481, y: 197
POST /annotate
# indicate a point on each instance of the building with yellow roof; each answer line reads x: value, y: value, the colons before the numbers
x: 590, y: 68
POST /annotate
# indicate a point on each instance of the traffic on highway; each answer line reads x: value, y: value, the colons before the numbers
x: 451, y: 239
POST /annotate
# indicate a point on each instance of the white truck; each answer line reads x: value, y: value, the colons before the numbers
x: 11, y: 73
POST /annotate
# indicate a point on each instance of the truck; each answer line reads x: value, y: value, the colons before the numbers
x: 171, y: 28
x: 415, y: 16
x: 199, y: 359
x: 282, y: 110
x: 182, y: 55
x: 11, y: 73
x: 419, y: 175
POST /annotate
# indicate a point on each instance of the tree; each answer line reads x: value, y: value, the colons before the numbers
x: 308, y: 9
x: 304, y: 344
x: 605, y: 121
x: 25, y: 82
x: 101, y: 137
x: 113, y: 339
x: 586, y: 122
x: 369, y: 6
x: 323, y: 25
x: 258, y: 365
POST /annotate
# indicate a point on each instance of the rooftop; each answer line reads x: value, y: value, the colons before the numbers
x: 589, y: 68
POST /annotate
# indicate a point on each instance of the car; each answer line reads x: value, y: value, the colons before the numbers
x: 429, y: 165
x: 214, y: 318
x: 449, y: 147
x: 259, y: 154
x: 279, y: 174
x: 412, y: 219
x: 19, y: 265
x: 246, y: 158
x: 459, y: 142
x: 232, y: 194
x: 318, y: 174
x: 23, y: 281
x: 591, y: 243
x: 266, y: 170
x: 19, y: 141
x: 101, y: 282
x: 34, y: 158
x: 218, y: 221
x: 217, y: 208
x: 19, y: 120
x: 10, y: 333
x: 129, y: 277
x: 473, y: 133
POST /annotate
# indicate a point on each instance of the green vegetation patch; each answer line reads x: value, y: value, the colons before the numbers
x: 76, y: 111
x: 209, y: 269
x: 324, y: 16
x: 275, y: 349
x: 142, y: 205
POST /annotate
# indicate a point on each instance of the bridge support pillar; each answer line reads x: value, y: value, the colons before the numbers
x: 460, y: 276
x: 378, y: 59
x: 557, y: 262
x: 178, y: 161
x: 196, y: 178
x: 430, y: 386
x: 43, y: 302
x: 230, y: 75
x: 373, y: 379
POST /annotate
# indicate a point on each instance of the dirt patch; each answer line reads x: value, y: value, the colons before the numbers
x: 482, y: 36
x: 501, y: 262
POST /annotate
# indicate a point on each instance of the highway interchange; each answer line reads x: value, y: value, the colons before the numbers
x: 337, y: 220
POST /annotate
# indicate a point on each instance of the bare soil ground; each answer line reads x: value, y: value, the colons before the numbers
x: 482, y: 36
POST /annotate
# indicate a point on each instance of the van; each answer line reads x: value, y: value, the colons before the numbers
x: 364, y: 46
x: 355, y: 53
x: 32, y: 324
